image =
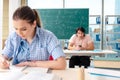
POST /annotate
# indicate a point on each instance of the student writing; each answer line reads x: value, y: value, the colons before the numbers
x: 31, y: 45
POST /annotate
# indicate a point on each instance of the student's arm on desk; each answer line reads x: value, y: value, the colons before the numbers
x: 89, y: 47
x: 71, y: 46
x: 59, y: 63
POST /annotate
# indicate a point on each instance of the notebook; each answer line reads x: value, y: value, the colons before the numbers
x: 40, y: 76
x: 25, y: 69
x: 27, y: 73
x: 34, y: 75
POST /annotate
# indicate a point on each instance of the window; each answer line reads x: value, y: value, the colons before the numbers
x: 111, y: 7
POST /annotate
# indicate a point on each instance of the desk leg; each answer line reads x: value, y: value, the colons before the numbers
x: 81, y: 74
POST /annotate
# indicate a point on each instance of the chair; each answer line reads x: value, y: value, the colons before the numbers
x: 50, y: 57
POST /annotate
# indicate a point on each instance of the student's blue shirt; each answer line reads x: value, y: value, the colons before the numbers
x: 44, y: 44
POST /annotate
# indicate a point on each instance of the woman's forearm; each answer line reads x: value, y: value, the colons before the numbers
x: 53, y: 64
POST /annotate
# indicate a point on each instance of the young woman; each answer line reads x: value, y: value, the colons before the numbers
x: 80, y: 41
x: 30, y: 45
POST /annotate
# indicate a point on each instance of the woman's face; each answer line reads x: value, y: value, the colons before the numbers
x: 80, y: 34
x: 24, y: 29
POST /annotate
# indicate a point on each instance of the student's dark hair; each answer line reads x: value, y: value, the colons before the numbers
x: 28, y: 14
x: 80, y: 29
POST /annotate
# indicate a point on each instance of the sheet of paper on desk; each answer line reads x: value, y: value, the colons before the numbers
x: 39, y: 76
x: 35, y: 69
x: 4, y: 70
x: 103, y: 74
x: 25, y: 69
x: 13, y: 68
x: 18, y: 75
x: 100, y: 77
x: 11, y: 75
x: 33, y: 73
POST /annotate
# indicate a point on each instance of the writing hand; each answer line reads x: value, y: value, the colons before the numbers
x: 76, y: 48
x: 79, y: 47
x: 4, y: 64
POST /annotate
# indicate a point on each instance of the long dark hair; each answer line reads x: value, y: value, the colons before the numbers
x: 28, y: 14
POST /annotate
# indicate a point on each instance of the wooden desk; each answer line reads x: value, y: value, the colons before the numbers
x: 88, y: 53
x: 84, y: 74
x: 67, y: 74
x: 70, y: 73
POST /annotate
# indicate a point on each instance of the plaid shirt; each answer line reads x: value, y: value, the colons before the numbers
x: 43, y: 45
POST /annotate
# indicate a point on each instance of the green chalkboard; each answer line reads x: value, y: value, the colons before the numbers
x: 64, y: 22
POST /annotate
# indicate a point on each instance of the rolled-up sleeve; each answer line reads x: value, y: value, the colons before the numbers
x: 54, y: 47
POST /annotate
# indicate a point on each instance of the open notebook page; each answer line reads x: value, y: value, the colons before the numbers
x: 11, y: 75
x: 35, y: 69
x: 13, y: 68
x: 40, y: 76
x: 25, y: 69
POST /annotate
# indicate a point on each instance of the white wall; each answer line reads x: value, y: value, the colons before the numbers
x: 1, y: 16
x: 35, y: 4
x: 13, y: 5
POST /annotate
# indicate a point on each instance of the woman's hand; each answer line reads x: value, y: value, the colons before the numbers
x: 79, y: 47
x: 76, y: 48
x: 4, y: 64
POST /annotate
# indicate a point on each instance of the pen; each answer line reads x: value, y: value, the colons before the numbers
x: 24, y: 68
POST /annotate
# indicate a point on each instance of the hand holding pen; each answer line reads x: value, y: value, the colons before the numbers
x: 79, y: 47
x: 4, y: 63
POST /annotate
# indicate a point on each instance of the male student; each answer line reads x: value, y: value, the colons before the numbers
x: 80, y: 41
